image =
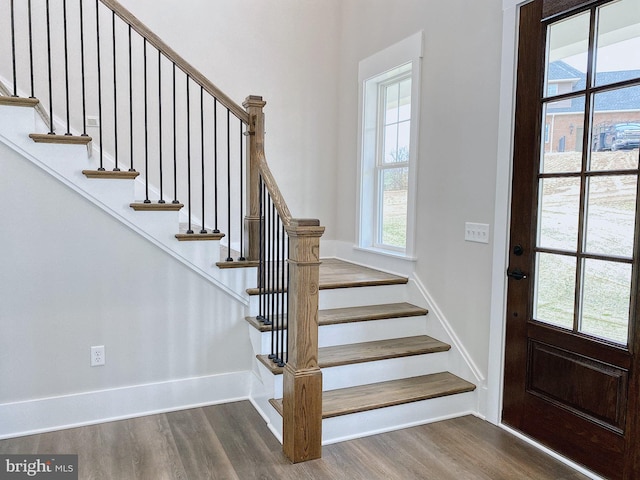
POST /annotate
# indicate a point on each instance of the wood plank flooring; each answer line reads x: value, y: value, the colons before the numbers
x: 232, y: 442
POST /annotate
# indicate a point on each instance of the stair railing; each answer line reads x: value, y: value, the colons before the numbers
x: 151, y: 104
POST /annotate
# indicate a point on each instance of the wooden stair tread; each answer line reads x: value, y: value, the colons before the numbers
x: 369, y: 351
x: 386, y: 394
x: 238, y: 264
x: 369, y: 312
x: 197, y: 233
x: 226, y: 253
x: 65, y: 139
x: 337, y: 316
x: 19, y: 101
x: 155, y: 206
x: 336, y: 273
x: 111, y: 174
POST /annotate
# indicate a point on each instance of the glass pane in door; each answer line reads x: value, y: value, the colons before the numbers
x: 568, y: 44
x: 618, y: 42
x: 559, y: 212
x: 615, y: 131
x: 554, y: 289
x: 561, y: 140
x: 611, y: 214
x: 605, y: 303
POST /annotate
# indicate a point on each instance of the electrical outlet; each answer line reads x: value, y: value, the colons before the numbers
x: 476, y: 232
x: 97, y: 356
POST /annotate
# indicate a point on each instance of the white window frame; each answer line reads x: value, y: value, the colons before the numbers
x: 383, y: 67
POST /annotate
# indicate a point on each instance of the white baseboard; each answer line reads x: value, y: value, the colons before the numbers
x: 68, y: 411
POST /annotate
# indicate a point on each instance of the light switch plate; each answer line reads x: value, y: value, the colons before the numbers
x: 476, y: 232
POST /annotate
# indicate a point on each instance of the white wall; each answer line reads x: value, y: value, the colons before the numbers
x: 72, y: 277
x: 458, y: 143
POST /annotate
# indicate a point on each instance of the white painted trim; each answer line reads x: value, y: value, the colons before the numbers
x: 435, y: 311
x: 401, y: 52
x: 398, y: 427
x: 88, y: 408
x: 492, y: 401
x: 551, y: 453
x: 407, y: 51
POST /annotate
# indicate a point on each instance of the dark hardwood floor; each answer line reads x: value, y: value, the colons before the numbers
x: 231, y: 441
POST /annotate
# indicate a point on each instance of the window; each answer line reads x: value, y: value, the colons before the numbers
x: 390, y: 82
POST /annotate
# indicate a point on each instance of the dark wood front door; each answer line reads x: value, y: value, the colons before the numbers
x: 571, y: 367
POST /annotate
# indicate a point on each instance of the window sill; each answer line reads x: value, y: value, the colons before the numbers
x: 386, y: 253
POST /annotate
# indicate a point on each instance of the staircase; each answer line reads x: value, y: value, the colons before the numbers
x: 385, y: 364
x: 381, y: 370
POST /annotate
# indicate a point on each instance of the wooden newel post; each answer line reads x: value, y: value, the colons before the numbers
x: 302, y: 401
x: 255, y: 146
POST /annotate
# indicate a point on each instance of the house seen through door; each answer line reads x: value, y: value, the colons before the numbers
x: 571, y: 365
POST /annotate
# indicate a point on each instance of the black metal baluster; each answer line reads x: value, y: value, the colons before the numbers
x: 229, y: 257
x: 215, y: 165
x: 131, y: 167
x: 270, y: 283
x: 276, y: 283
x: 175, y: 151
x: 13, y: 48
x: 160, y: 124
x: 188, y: 157
x: 83, y: 81
x: 146, y: 125
x: 115, y: 92
x: 280, y: 293
x: 261, y: 264
x: 32, y: 95
x: 101, y: 168
x: 202, y: 230
x: 286, y: 269
x: 66, y: 64
x: 241, y: 258
x: 51, y: 128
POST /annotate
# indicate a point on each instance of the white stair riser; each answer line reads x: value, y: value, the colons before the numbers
x: 362, y: 424
x: 372, y: 330
x: 362, y: 296
x: 356, y: 425
x: 383, y: 370
x: 17, y: 120
x: 350, y: 297
x: 366, y: 373
x: 356, y: 332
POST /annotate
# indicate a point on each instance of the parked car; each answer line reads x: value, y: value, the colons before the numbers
x: 619, y: 136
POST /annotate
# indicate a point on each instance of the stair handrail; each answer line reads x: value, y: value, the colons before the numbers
x: 130, y: 19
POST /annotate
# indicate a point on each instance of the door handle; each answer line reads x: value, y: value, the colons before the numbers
x: 516, y: 274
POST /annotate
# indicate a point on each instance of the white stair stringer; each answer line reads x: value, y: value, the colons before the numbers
x: 66, y: 162
x: 266, y: 385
